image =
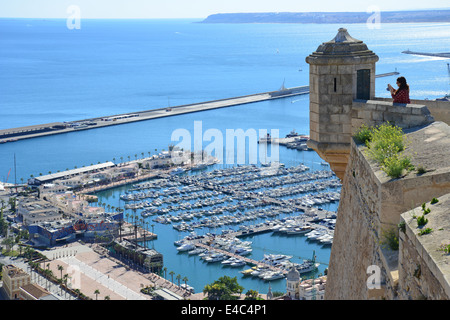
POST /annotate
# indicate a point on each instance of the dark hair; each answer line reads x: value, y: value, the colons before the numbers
x: 403, y: 84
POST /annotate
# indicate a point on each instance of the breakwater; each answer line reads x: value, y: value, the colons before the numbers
x: 34, y: 131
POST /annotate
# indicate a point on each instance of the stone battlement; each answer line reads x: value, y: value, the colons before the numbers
x: 372, y: 205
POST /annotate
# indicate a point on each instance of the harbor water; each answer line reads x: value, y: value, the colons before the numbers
x: 50, y: 73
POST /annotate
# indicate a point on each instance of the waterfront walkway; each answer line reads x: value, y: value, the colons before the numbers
x: 91, y: 268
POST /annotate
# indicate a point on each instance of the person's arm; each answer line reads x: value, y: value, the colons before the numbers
x: 392, y: 90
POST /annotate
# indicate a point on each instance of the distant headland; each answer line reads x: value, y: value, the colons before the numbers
x: 330, y: 17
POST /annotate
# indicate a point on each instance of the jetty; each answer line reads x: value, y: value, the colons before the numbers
x: 428, y: 54
x: 34, y: 131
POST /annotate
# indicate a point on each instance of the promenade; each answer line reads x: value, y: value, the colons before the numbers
x: 91, y: 269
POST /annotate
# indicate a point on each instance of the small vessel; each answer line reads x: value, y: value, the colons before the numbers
x: 197, y: 251
x: 273, y: 275
x: 186, y: 247
x: 299, y: 230
x: 248, y: 272
x: 177, y: 171
x: 187, y: 287
x: 292, y: 134
x: 238, y: 263
x: 215, y: 257
x: 308, y: 265
x: 267, y: 139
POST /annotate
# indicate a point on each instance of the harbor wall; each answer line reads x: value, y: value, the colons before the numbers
x: 372, y: 206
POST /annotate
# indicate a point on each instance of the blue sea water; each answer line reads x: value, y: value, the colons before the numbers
x: 49, y: 73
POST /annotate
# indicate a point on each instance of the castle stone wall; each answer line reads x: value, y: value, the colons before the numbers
x: 370, y: 208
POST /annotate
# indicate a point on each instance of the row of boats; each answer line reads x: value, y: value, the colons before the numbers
x: 229, y: 252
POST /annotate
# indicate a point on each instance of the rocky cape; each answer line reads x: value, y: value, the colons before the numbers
x: 331, y: 17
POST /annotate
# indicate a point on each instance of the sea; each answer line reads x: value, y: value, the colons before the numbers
x: 50, y: 73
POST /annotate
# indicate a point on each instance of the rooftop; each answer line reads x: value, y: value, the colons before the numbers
x: 63, y: 174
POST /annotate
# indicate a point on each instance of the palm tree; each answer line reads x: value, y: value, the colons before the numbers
x: 171, y: 274
x: 65, y: 278
x: 178, y: 278
x: 165, y: 272
x: 96, y: 292
x: 185, y: 279
x: 61, y: 268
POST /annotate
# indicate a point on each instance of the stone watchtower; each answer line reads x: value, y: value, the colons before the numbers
x: 341, y: 70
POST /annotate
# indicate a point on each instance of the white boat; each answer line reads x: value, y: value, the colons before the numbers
x: 248, y: 271
x: 258, y: 271
x: 187, y: 287
x: 229, y: 261
x: 179, y: 242
x: 238, y: 263
x: 186, y: 247
x: 215, y: 257
x: 313, y: 235
x: 273, y: 275
x: 177, y: 171
x: 299, y: 230
x: 307, y: 266
x: 274, y: 259
x: 197, y: 251
x: 242, y: 251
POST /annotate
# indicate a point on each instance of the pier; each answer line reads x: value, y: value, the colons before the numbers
x: 439, y: 55
x: 14, y: 134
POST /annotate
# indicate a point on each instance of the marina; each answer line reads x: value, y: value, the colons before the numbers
x: 218, y: 214
x: 209, y: 72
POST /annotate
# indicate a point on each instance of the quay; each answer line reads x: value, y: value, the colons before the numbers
x: 14, y: 134
x: 440, y: 55
x: 388, y: 74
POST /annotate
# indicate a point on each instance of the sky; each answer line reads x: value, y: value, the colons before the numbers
x: 151, y: 9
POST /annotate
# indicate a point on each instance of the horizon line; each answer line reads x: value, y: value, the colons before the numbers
x: 252, y: 12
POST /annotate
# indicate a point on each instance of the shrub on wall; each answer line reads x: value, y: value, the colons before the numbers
x: 385, y: 145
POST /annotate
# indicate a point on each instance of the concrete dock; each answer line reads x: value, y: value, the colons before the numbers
x: 439, y: 55
x: 14, y: 134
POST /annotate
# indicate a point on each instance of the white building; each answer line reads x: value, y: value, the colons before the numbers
x: 34, y: 211
x: 310, y: 289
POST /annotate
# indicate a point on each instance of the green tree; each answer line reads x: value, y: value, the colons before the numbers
x: 252, y: 295
x: 224, y: 288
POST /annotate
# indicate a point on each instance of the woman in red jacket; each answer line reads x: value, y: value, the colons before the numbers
x: 401, y: 95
